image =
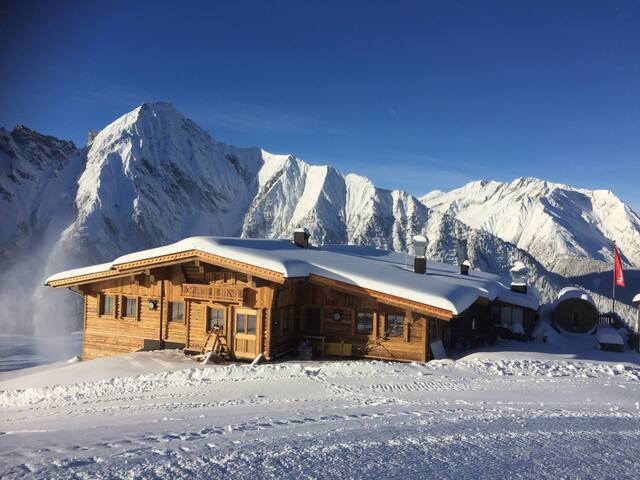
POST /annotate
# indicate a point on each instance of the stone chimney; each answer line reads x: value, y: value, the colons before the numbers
x: 420, y: 243
x: 301, y: 237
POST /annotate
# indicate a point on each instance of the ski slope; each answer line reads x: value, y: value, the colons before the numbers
x: 160, y: 415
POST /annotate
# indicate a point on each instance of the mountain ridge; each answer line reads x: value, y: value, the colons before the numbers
x: 550, y: 220
x: 153, y: 176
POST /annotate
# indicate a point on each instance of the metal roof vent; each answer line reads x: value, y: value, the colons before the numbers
x: 519, y: 273
x: 301, y: 237
x: 420, y: 243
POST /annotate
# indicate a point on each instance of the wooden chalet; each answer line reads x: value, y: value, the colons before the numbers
x: 266, y: 296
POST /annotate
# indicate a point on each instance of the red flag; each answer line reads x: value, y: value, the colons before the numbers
x: 618, y: 275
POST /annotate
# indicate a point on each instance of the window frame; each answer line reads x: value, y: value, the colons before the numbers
x: 217, y: 308
x: 516, y: 316
x: 124, y: 314
x: 255, y: 324
x: 373, y: 323
x: 245, y: 323
x: 171, y: 312
x: 387, y: 327
x: 101, y: 305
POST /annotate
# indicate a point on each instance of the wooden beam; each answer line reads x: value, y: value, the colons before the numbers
x: 151, y: 276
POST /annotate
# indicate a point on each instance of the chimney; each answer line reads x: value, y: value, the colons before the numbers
x: 464, y: 267
x: 461, y: 254
x: 519, y: 273
x: 301, y: 237
x: 420, y: 249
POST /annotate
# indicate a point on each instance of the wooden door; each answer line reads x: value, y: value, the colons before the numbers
x: 246, y: 342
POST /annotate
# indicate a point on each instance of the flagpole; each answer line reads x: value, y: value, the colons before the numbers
x: 613, y: 298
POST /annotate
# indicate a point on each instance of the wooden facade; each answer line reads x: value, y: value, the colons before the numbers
x: 175, y: 301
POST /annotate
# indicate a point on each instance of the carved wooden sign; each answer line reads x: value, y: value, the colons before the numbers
x: 220, y: 293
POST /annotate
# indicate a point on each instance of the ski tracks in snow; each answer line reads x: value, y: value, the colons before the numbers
x: 343, y: 419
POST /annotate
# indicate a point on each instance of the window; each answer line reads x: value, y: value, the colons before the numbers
x: 395, y: 325
x: 176, y: 311
x: 240, y: 322
x: 130, y: 307
x: 312, y: 319
x: 516, y: 320
x: 251, y: 324
x: 505, y: 317
x: 215, y: 318
x: 107, y: 304
x: 511, y: 318
x: 246, y: 323
x: 364, y: 325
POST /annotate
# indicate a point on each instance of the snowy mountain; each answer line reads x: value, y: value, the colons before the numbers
x: 34, y: 176
x: 557, y: 224
x: 153, y: 177
x: 38, y: 176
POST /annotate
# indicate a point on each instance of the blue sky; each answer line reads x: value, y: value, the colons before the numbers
x: 414, y: 95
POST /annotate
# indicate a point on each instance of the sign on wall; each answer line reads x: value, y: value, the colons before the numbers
x: 221, y: 293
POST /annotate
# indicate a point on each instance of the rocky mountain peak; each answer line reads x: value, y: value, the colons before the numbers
x: 153, y: 176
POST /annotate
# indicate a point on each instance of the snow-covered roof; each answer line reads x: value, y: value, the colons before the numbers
x: 519, y: 268
x: 573, y: 292
x: 609, y: 336
x: 77, y: 272
x: 383, y: 271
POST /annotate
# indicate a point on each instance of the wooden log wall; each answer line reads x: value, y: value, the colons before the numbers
x: 280, y: 310
x: 110, y: 334
x: 338, y: 323
x: 106, y: 335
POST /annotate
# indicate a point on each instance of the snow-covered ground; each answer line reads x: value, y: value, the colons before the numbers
x: 487, y: 415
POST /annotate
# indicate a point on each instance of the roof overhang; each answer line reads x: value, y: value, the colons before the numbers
x: 394, y: 300
x: 141, y: 266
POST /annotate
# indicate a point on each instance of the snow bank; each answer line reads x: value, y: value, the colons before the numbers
x: 551, y: 368
x: 224, y: 375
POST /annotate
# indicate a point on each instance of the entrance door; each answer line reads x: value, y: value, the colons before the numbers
x: 245, y: 338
